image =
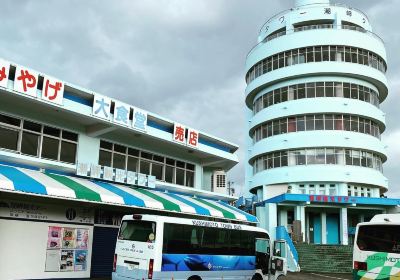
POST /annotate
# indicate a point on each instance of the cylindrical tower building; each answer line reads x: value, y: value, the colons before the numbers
x: 315, y: 82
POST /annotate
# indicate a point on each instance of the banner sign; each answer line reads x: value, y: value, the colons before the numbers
x: 46, y: 212
x: 115, y: 175
x: 332, y: 199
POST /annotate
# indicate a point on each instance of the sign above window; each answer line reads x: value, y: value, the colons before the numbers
x: 102, y: 109
x: 190, y: 139
x: 115, y: 175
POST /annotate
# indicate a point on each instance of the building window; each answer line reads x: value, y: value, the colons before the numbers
x: 130, y: 159
x: 312, y: 156
x: 322, y: 189
x: 316, y: 90
x: 302, y: 189
x: 316, y: 54
x: 34, y: 139
x: 332, y: 189
x: 311, y: 189
x: 316, y: 122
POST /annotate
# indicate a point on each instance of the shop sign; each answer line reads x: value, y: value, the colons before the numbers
x: 45, y: 212
x: 4, y: 70
x: 179, y: 133
x: 332, y: 199
x: 26, y: 82
x: 121, y: 113
x: 193, y: 138
x: 190, y: 139
x: 115, y: 175
x: 102, y: 109
x: 53, y: 90
x: 139, y: 119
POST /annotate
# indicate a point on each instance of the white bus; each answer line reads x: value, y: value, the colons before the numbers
x: 376, y: 252
x: 159, y: 247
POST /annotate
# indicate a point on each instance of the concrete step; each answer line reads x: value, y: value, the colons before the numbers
x: 325, y: 258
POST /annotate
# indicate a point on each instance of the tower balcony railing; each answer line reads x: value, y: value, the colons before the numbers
x: 316, y: 27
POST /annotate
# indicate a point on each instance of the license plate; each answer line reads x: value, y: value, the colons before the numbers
x: 132, y: 266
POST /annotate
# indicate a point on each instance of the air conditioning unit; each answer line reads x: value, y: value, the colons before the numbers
x: 218, y: 181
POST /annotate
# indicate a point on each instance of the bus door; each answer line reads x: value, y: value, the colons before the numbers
x: 263, y: 255
x: 279, y: 259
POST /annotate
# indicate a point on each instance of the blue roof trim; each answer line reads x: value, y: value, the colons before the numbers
x: 155, y: 125
x: 70, y: 96
x: 328, y: 199
x: 214, y: 145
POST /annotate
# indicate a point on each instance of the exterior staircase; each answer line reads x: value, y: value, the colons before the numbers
x: 325, y: 258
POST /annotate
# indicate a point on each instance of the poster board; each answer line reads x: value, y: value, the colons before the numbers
x: 67, y: 249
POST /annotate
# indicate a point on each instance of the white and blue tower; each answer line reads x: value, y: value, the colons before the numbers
x: 315, y: 82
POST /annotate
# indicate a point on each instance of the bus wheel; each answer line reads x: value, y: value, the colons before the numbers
x: 257, y: 277
x: 194, y: 278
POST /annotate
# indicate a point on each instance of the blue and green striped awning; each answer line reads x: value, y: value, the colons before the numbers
x: 69, y: 187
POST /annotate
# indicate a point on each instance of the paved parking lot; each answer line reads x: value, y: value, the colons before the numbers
x: 315, y: 276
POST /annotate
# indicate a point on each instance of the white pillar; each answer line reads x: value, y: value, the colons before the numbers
x: 361, y: 218
x: 324, y: 233
x: 300, y: 214
x: 271, y: 218
x: 344, y: 233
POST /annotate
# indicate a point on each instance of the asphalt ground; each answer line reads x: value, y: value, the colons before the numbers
x: 302, y: 276
x: 317, y: 276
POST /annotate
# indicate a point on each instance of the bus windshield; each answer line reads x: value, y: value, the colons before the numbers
x: 142, y: 231
x: 379, y: 238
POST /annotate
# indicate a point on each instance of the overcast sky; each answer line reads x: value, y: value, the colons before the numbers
x: 182, y: 59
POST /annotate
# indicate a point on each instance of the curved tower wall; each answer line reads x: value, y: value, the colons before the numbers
x: 315, y: 82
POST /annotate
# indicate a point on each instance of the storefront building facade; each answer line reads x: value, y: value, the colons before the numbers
x: 315, y: 82
x: 73, y: 162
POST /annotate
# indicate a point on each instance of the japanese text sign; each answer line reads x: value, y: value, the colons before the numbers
x: 26, y: 81
x: 332, y: 199
x: 4, y: 70
x: 101, y: 107
x: 179, y: 133
x: 139, y: 119
x: 121, y: 113
x: 53, y: 90
x: 193, y: 138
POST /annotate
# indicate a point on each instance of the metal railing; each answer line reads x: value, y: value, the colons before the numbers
x: 316, y: 27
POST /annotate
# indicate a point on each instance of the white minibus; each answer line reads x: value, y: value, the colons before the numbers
x: 376, y: 253
x: 160, y: 247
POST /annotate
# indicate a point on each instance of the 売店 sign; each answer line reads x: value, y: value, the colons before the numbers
x: 191, y: 138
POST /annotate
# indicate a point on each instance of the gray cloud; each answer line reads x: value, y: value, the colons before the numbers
x: 181, y: 59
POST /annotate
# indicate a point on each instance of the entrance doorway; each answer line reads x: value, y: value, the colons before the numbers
x: 332, y: 229
x: 314, y: 228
